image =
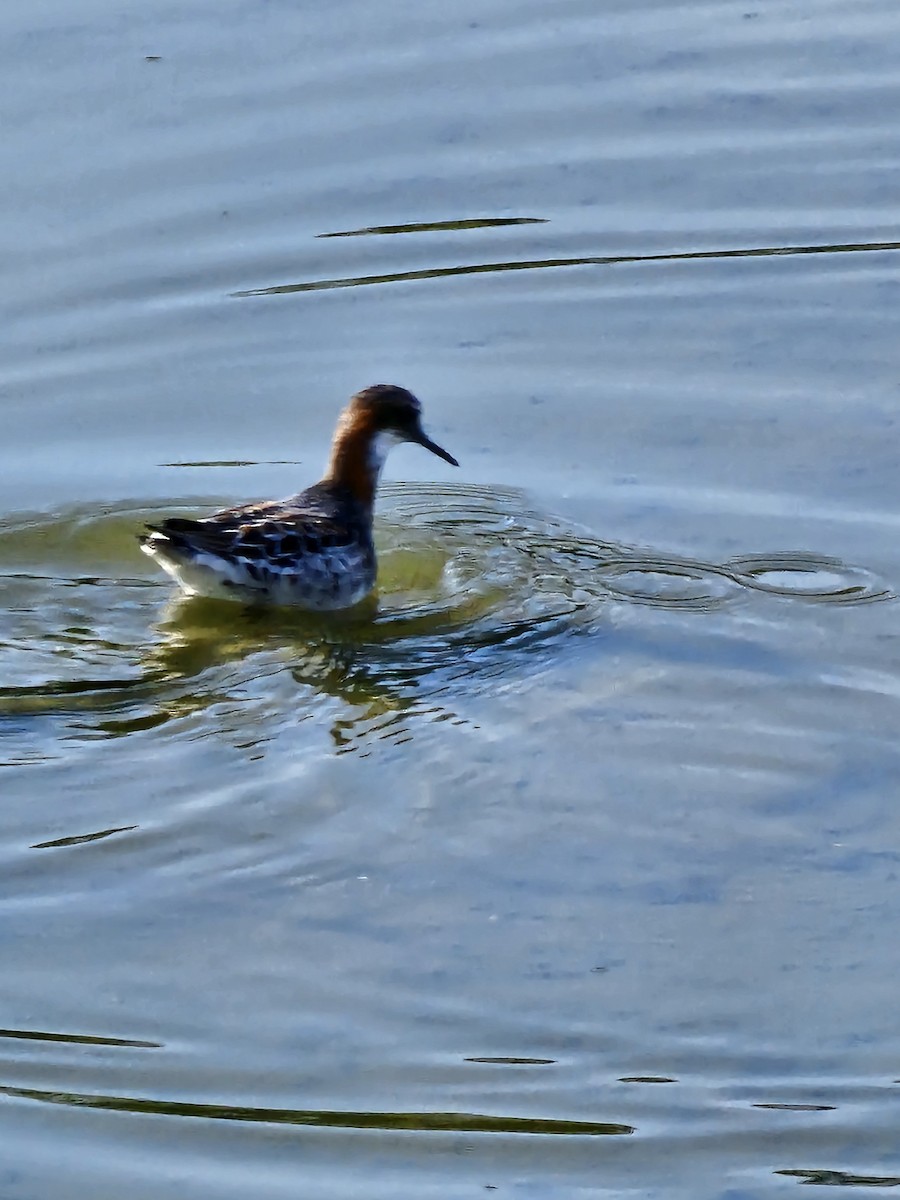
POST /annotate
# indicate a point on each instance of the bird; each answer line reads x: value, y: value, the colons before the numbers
x: 312, y: 550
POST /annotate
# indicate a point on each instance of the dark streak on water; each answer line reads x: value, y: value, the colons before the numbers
x: 437, y: 226
x: 79, y: 1039
x: 553, y: 263
x: 421, y: 1122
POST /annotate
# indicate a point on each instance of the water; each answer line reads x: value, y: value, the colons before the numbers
x: 567, y: 865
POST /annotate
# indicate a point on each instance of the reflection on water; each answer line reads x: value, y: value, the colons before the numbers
x: 436, y: 226
x: 423, y: 1122
x: 842, y: 1178
x: 78, y: 1039
x: 81, y: 838
x: 589, y: 260
x: 472, y: 582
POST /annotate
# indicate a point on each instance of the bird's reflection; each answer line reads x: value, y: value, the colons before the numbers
x: 378, y: 667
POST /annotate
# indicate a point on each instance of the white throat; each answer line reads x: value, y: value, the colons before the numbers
x: 380, y: 447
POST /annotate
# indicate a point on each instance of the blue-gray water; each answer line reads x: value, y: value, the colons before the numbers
x: 571, y: 867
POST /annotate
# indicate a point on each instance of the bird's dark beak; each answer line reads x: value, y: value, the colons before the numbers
x: 421, y: 438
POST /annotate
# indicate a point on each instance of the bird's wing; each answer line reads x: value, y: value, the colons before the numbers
x: 263, y: 531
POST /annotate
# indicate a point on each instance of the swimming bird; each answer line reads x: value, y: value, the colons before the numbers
x: 313, y: 550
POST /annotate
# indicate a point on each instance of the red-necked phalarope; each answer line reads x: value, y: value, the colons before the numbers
x: 313, y: 550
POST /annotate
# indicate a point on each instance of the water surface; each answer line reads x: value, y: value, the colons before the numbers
x: 567, y: 864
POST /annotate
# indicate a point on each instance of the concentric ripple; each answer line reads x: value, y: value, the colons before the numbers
x: 538, y: 561
x: 470, y: 580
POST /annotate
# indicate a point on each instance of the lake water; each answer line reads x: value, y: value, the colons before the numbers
x: 570, y: 867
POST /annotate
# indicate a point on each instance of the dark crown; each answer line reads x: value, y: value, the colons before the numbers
x: 388, y: 405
